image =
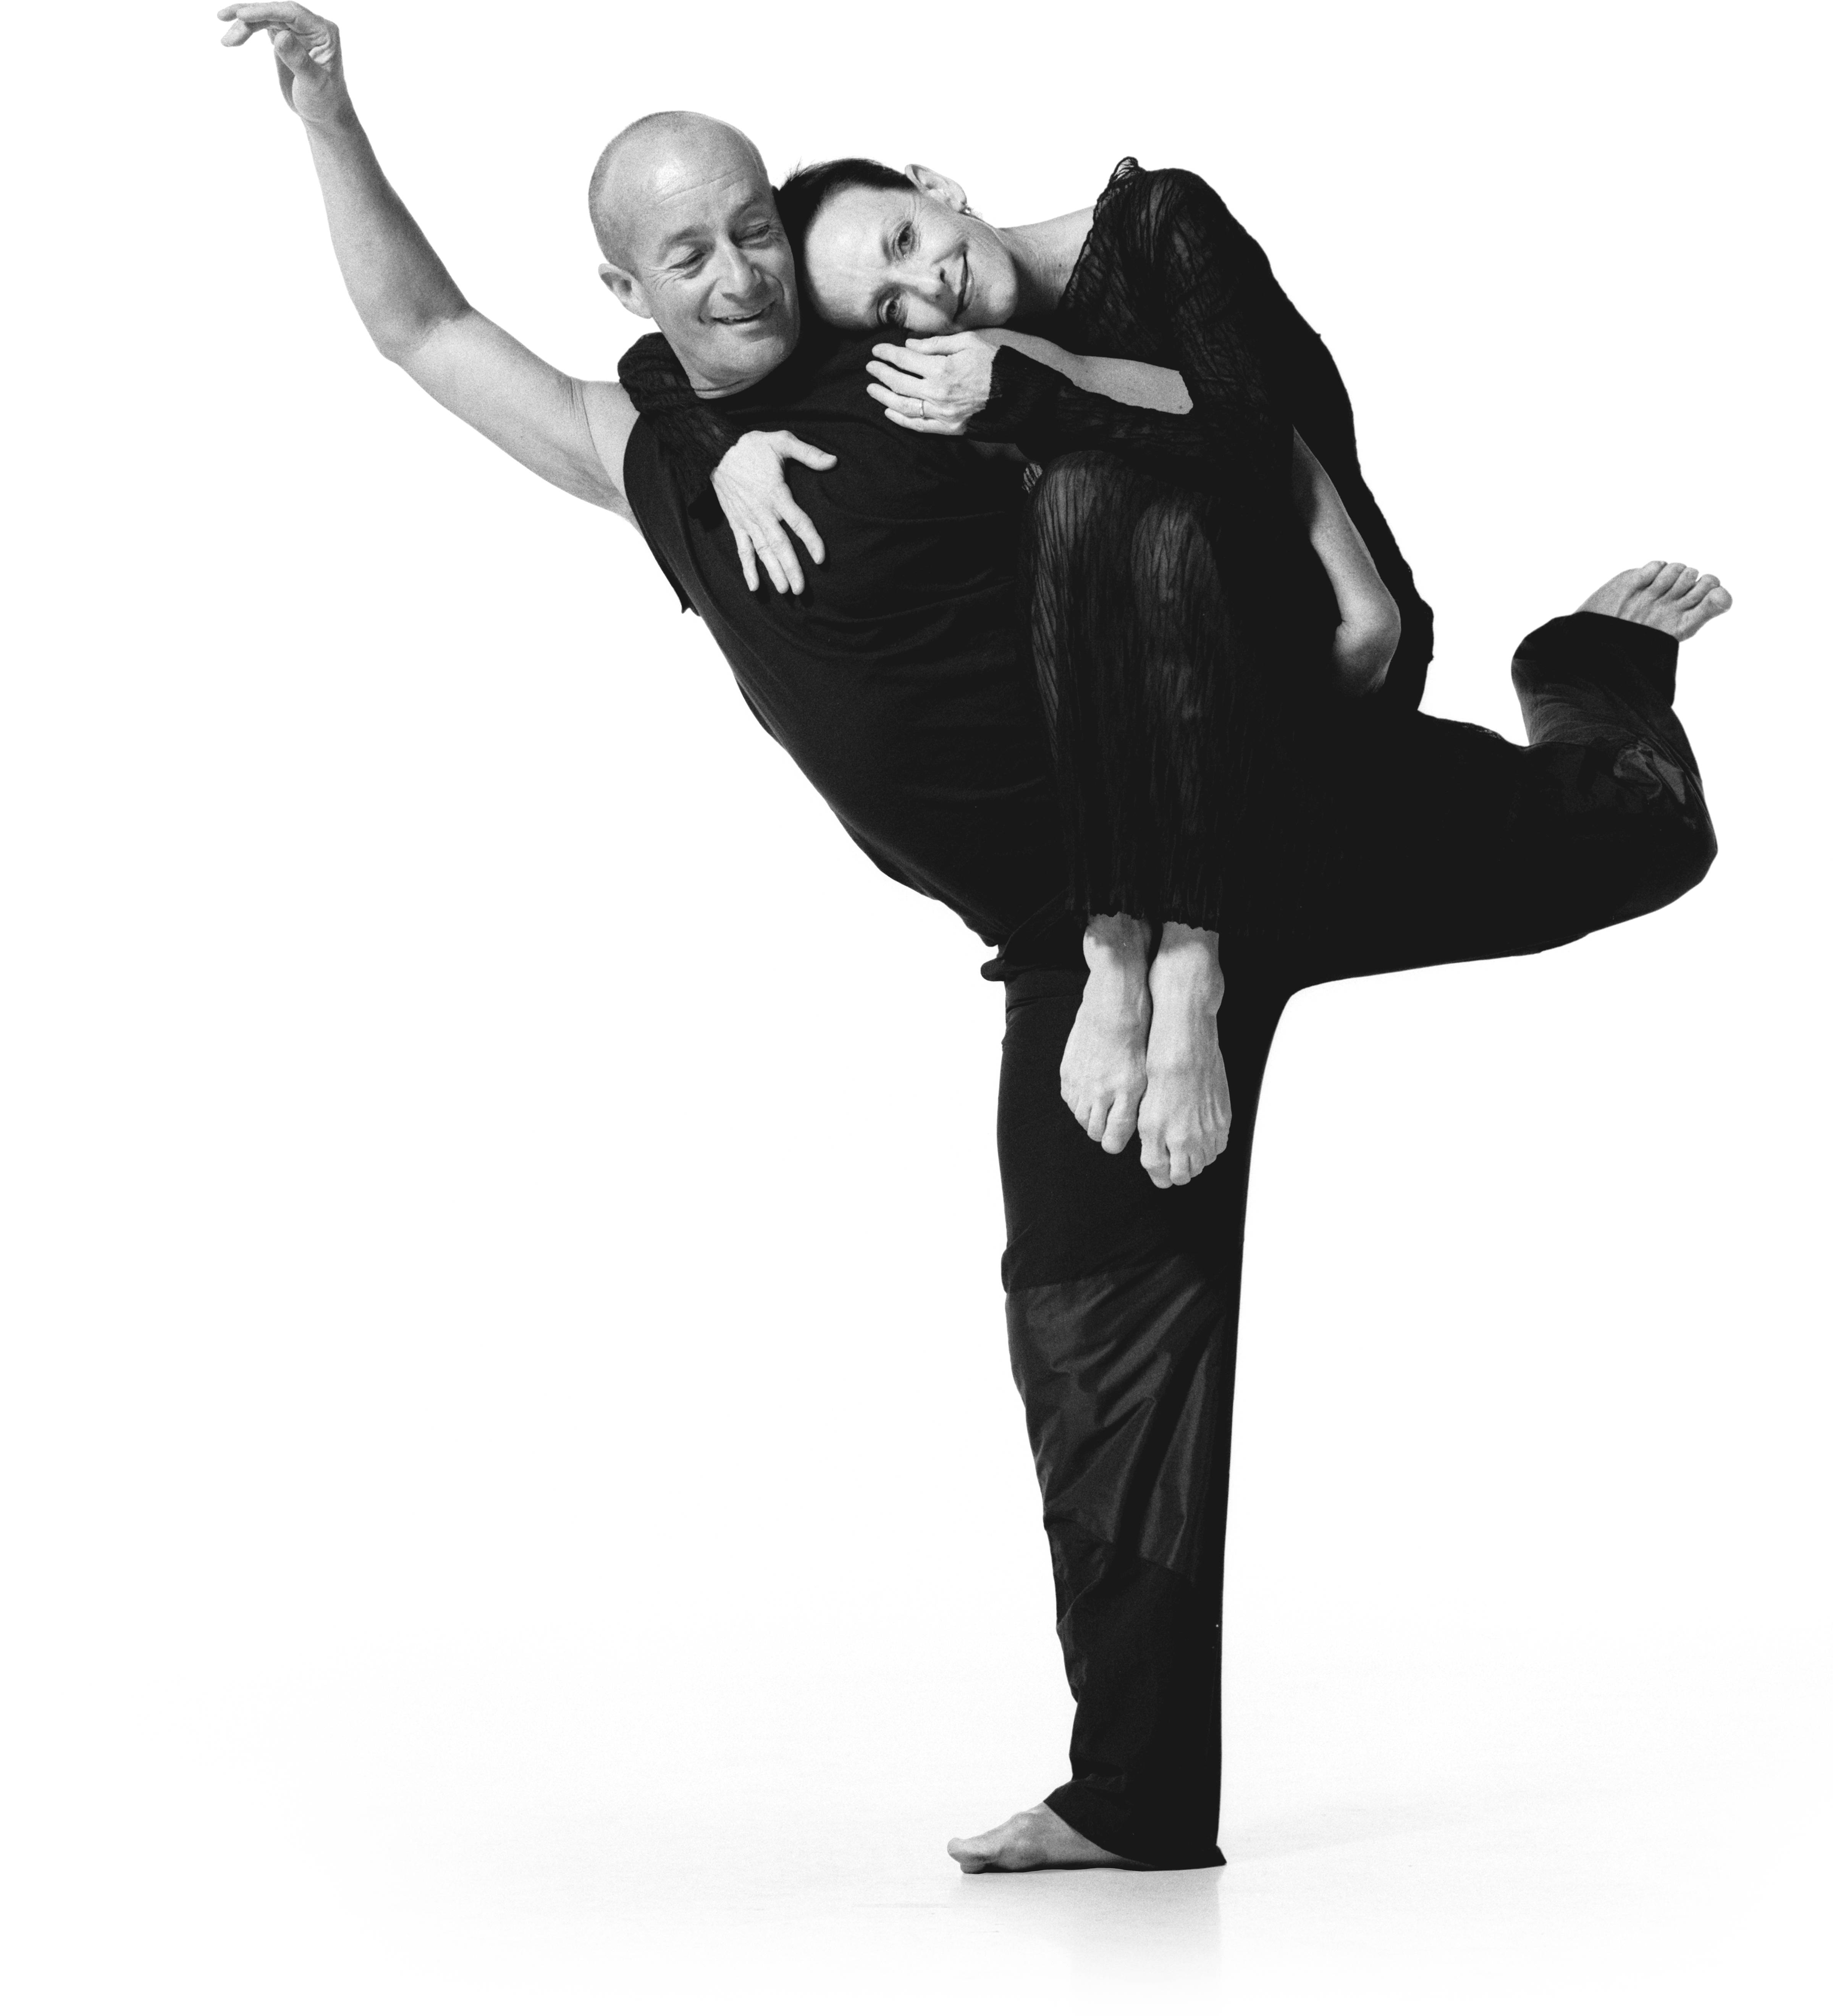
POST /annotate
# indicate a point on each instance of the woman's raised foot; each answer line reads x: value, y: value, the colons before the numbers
x: 1037, y: 1838
x: 1679, y: 601
x: 1104, y: 1072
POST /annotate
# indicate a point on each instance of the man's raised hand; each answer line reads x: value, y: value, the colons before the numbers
x: 750, y: 486
x: 306, y: 53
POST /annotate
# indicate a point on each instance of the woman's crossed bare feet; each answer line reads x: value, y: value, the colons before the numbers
x: 1036, y: 1839
x: 1678, y: 600
x: 1185, y: 1116
x: 1103, y: 1073
x: 1144, y: 1049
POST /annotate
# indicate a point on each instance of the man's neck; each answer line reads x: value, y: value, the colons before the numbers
x: 725, y: 388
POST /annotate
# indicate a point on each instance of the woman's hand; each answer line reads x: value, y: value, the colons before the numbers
x: 750, y: 486
x: 935, y: 384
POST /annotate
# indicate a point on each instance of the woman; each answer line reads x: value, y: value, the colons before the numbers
x: 1176, y: 806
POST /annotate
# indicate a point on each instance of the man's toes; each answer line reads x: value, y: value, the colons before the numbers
x: 1095, y: 1119
x: 1695, y: 617
x: 1669, y: 572
x: 1702, y: 586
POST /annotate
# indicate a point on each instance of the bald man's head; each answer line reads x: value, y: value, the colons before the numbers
x: 685, y: 217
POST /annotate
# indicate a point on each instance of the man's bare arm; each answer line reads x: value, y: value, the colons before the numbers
x: 569, y: 430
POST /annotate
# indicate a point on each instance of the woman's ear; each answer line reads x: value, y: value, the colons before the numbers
x: 951, y: 195
x: 628, y: 289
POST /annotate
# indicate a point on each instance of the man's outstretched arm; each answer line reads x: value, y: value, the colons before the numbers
x: 572, y: 431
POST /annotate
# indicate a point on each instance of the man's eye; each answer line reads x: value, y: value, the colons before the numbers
x: 904, y: 243
x: 891, y: 314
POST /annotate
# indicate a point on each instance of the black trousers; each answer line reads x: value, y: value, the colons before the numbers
x: 1445, y: 843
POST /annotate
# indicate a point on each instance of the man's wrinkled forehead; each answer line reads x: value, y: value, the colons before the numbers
x: 683, y: 196
x: 669, y: 169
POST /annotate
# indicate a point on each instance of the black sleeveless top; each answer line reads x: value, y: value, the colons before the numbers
x: 895, y: 681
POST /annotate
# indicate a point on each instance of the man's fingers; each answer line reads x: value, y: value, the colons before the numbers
x: 937, y: 346
x: 274, y: 14
x: 747, y: 563
x: 772, y: 565
x: 786, y: 570
x: 299, y: 36
x: 792, y: 450
x: 799, y: 522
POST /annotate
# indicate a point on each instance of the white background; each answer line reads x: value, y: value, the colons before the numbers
x: 514, y: 1499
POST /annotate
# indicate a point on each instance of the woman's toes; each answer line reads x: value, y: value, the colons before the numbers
x: 1122, y: 1117
x: 1663, y: 583
x: 1700, y: 589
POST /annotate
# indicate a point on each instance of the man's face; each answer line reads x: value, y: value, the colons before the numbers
x: 710, y: 261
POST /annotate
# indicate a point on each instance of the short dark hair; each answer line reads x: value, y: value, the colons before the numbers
x: 800, y: 200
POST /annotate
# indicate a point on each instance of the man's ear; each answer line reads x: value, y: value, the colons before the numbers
x: 628, y: 289
x: 950, y: 194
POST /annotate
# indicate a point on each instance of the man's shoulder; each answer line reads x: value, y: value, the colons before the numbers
x: 657, y: 510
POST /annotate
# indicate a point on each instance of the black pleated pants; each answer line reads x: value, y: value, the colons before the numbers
x: 1446, y: 843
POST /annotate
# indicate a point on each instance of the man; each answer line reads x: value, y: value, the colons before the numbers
x: 895, y: 680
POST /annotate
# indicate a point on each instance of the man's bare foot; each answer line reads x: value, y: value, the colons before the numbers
x: 1104, y: 1072
x: 1036, y: 1839
x: 1185, y: 1115
x: 1667, y: 596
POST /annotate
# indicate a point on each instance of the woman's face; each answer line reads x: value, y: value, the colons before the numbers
x: 878, y: 258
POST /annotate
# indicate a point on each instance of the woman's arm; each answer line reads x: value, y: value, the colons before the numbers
x: 1048, y: 401
x: 1155, y: 386
x: 1369, y: 633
